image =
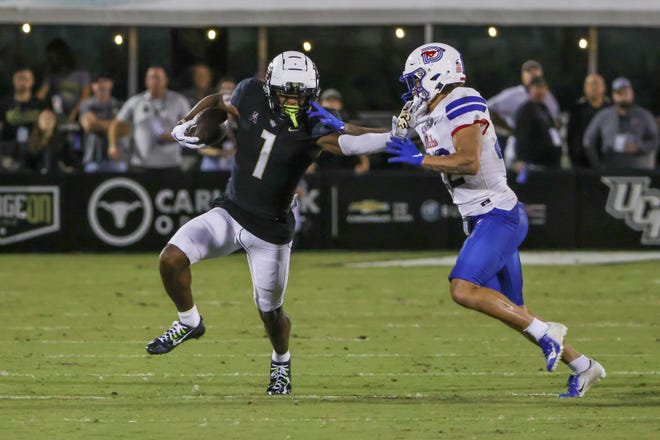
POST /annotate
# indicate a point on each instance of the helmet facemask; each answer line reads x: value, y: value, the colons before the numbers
x: 413, y: 82
x: 292, y: 84
x: 281, y: 100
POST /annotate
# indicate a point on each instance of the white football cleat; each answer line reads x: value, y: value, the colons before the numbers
x: 552, y: 344
x: 579, y: 384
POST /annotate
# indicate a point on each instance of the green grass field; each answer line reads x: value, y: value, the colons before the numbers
x: 378, y: 353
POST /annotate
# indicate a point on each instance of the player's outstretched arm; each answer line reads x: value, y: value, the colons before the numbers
x: 465, y: 161
x: 334, y: 123
x: 355, y: 140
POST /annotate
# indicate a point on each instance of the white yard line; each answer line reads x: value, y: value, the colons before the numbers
x: 531, y: 258
x: 53, y: 397
x: 345, y: 375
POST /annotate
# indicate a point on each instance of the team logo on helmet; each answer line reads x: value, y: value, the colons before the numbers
x: 431, y: 54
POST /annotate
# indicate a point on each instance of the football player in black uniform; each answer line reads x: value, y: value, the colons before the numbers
x: 277, y: 139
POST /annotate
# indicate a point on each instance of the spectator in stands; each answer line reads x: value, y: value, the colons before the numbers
x: 65, y: 86
x: 149, y: 117
x: 221, y: 157
x: 360, y: 164
x: 226, y: 85
x: 96, y: 114
x: 47, y: 152
x: 504, y: 106
x: 202, y: 78
x: 582, y: 113
x: 627, y: 134
x: 19, y: 115
x: 538, y: 142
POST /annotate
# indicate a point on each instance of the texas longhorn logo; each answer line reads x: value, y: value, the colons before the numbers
x: 431, y: 54
x: 632, y: 199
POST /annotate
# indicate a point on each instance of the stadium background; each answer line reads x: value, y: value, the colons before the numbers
x: 397, y: 359
x: 353, y: 45
x: 358, y: 53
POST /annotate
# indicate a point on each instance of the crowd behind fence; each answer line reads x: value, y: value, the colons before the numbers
x: 72, y: 123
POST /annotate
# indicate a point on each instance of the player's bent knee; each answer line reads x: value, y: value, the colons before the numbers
x: 172, y: 259
x: 272, y: 315
x: 462, y: 292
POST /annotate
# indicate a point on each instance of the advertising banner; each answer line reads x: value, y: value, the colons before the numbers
x: 619, y: 211
x: 138, y: 212
x: 385, y: 210
x: 382, y: 210
x: 30, y: 213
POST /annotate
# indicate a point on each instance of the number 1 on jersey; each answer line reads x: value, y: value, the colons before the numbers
x: 264, y: 154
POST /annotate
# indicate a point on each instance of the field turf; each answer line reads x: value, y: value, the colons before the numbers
x: 378, y: 353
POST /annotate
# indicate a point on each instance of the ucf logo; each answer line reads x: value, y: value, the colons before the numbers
x: 631, y: 199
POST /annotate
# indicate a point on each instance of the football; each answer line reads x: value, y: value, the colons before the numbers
x: 210, y: 127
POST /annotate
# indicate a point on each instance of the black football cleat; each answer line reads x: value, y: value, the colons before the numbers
x: 177, y: 334
x: 280, y: 378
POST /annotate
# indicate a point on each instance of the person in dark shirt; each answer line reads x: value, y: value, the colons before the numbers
x: 65, y: 85
x: 593, y: 100
x: 46, y: 151
x: 96, y: 114
x: 537, y: 138
x: 276, y: 142
x: 19, y: 115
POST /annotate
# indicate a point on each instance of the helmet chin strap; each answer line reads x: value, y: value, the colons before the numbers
x: 292, y: 112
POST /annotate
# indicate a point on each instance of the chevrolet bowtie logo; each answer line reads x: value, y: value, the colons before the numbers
x: 369, y: 206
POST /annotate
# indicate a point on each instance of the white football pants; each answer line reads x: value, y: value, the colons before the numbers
x: 216, y: 234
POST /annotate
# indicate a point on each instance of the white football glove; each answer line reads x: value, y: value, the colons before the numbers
x: 400, y: 124
x: 413, y: 113
x: 179, y: 134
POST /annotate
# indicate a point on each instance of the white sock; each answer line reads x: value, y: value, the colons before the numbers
x: 537, y: 328
x: 580, y: 364
x: 281, y: 357
x: 190, y: 317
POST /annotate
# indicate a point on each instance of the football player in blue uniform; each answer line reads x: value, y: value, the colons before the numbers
x: 276, y: 143
x: 459, y: 140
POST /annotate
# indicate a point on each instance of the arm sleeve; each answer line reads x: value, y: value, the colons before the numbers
x: 591, y: 139
x: 498, y: 101
x: 85, y: 106
x: 467, y: 110
x: 573, y: 138
x: 126, y: 111
x: 367, y: 143
x: 184, y: 107
x: 553, y: 105
x: 649, y: 141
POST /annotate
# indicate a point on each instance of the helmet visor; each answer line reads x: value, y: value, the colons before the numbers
x: 413, y: 82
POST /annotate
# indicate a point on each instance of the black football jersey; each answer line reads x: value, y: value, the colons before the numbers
x: 271, y: 157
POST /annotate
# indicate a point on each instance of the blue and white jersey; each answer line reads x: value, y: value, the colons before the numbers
x: 487, y: 189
